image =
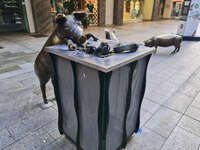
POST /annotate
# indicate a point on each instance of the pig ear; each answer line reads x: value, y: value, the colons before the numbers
x: 60, y: 19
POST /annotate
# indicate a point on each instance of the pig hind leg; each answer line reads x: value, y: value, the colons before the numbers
x: 43, y: 89
x: 178, y: 46
x: 174, y: 51
x: 178, y: 49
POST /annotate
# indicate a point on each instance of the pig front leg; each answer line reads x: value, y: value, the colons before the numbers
x: 177, y: 45
x: 156, y: 48
x: 71, y: 45
x: 90, y: 35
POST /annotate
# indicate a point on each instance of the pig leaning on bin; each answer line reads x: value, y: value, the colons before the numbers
x: 68, y: 31
x: 165, y: 41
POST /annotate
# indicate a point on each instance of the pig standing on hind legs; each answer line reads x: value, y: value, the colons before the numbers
x: 68, y: 31
x: 43, y: 67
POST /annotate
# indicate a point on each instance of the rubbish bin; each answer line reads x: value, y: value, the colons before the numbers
x: 99, y: 99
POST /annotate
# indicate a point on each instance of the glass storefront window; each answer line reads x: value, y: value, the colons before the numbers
x: 177, y: 8
x: 78, y: 6
x: 11, y: 15
x: 132, y: 10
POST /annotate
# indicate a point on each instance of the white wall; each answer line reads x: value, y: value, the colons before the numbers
x: 109, y: 12
x: 30, y: 16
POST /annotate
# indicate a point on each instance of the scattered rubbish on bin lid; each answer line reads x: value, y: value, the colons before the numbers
x: 140, y: 131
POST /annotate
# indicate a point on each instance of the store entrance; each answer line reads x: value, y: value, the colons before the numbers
x: 77, y: 6
x: 177, y: 8
x: 12, y: 16
x: 133, y: 10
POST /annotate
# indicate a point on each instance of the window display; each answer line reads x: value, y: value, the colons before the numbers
x: 11, y: 15
x: 132, y: 10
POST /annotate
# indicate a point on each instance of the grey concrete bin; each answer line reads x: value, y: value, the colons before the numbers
x: 99, y: 99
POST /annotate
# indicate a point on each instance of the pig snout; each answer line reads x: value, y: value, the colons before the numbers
x: 149, y: 43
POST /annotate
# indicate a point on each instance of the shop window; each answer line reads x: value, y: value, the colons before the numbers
x: 132, y: 10
x: 74, y: 6
x: 11, y: 15
x: 177, y: 8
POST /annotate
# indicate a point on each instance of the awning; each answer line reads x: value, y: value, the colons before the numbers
x: 177, y: 0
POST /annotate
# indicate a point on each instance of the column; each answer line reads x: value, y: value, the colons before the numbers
x: 42, y: 16
x: 148, y: 10
x: 118, y: 12
x: 101, y: 12
x: 168, y: 9
x: 109, y: 12
x: 156, y: 10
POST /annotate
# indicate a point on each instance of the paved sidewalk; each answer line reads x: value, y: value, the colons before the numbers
x: 170, y: 110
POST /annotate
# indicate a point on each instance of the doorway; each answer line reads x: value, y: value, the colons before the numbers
x: 133, y: 10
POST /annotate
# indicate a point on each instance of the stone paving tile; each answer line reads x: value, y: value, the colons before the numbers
x: 60, y: 144
x: 12, y: 108
x: 52, y: 129
x: 18, y: 103
x: 178, y: 102
x: 182, y: 140
x: 144, y: 117
x: 155, y: 97
x: 189, y: 90
x: 147, y: 140
x: 164, y: 121
x: 5, y: 138
x: 149, y: 106
x: 193, y: 112
x: 9, y: 69
x: 178, y: 79
x: 7, y: 85
x: 166, y: 89
x: 190, y: 125
x: 30, y: 123
x: 36, y: 140
x: 196, y: 102
x: 15, y: 73
x: 10, y: 46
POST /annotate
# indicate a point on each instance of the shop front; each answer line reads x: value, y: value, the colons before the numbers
x: 133, y: 10
x: 90, y: 7
x: 13, y: 16
x: 177, y: 8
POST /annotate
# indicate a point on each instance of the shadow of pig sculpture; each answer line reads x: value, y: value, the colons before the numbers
x: 67, y: 31
x: 165, y: 41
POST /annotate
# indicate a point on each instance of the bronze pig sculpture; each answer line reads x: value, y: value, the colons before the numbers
x: 165, y: 41
x: 68, y: 31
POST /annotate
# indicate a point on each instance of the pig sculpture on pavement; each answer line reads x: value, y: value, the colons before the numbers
x: 165, y: 40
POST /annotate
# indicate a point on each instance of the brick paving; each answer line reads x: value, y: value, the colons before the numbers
x: 170, y: 110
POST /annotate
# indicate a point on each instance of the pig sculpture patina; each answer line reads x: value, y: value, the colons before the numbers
x: 165, y: 41
x: 68, y: 31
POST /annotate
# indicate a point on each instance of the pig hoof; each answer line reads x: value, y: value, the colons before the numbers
x: 172, y: 53
x: 53, y: 99
x: 46, y: 106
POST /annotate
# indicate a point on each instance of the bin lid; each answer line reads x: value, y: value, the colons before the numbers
x: 105, y: 64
